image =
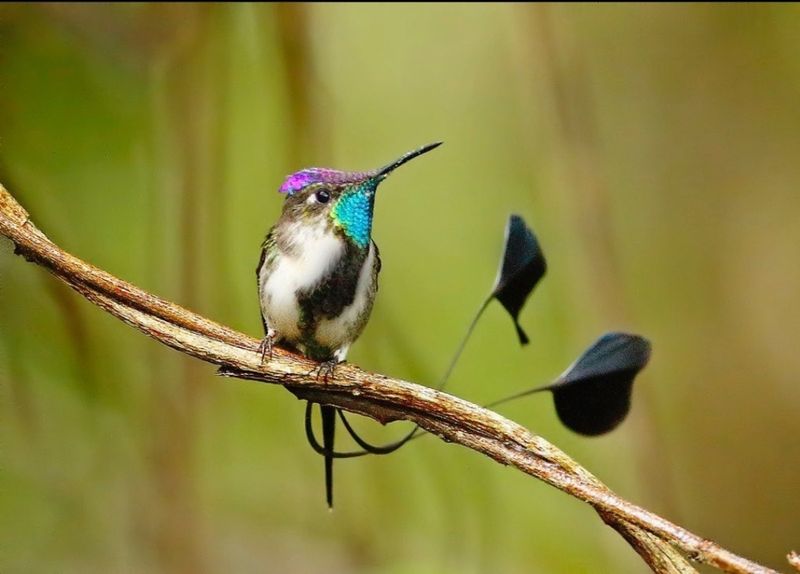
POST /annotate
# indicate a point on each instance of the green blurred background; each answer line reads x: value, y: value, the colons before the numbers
x: 654, y: 149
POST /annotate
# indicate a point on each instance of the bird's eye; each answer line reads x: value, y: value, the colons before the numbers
x: 323, y: 196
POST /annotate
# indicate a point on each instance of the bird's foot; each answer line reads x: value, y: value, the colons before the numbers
x: 324, y: 370
x: 265, y: 347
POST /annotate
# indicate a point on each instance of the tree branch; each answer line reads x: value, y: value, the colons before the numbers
x: 659, y: 542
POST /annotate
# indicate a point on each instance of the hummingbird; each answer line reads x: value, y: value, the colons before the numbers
x: 318, y: 271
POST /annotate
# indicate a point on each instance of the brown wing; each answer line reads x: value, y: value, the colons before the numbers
x: 377, y: 265
x: 267, y: 250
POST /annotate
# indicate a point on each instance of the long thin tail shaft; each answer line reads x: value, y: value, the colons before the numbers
x: 328, y: 435
x: 415, y: 432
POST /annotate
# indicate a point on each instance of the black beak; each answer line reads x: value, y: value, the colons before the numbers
x: 385, y: 171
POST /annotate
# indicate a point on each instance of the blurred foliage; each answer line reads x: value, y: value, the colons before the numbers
x: 654, y: 149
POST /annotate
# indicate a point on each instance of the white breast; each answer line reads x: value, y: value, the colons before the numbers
x: 316, y: 252
x: 334, y: 332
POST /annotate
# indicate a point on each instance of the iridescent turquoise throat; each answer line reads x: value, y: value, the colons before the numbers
x: 353, y: 213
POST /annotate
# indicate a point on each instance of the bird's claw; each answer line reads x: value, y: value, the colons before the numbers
x: 324, y: 370
x: 265, y: 348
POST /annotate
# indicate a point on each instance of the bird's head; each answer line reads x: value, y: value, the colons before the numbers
x: 344, y: 200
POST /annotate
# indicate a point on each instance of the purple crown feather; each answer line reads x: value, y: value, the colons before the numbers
x: 304, y: 177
